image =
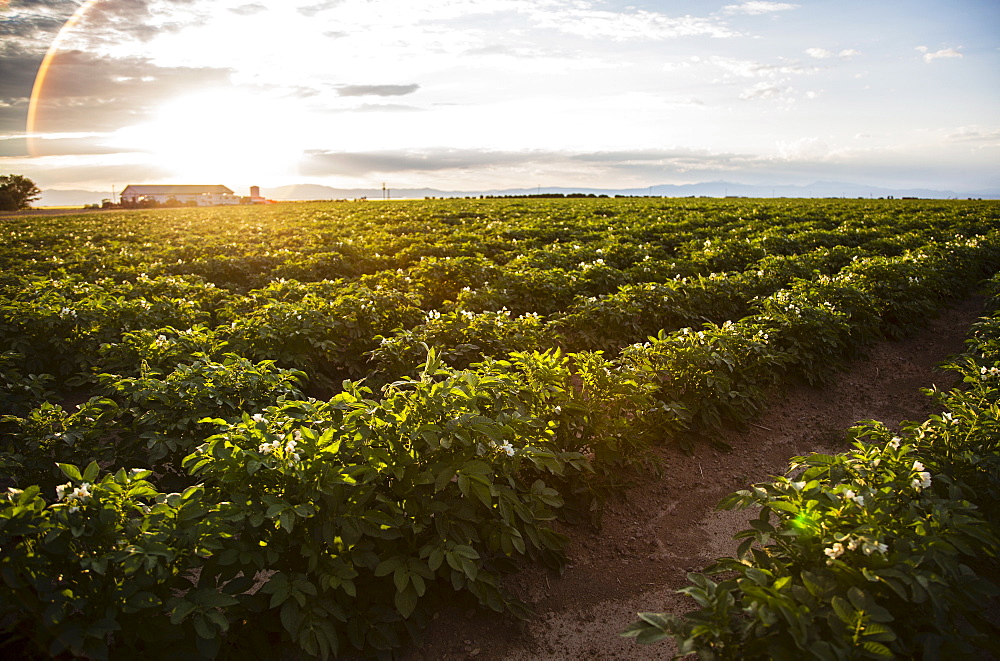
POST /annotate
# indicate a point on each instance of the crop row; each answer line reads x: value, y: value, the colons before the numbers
x: 203, y: 498
x: 374, y: 327
x: 886, y: 551
x: 241, y: 249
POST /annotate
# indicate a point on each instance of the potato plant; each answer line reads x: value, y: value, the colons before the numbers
x: 367, y: 505
x: 886, y: 551
x: 508, y: 363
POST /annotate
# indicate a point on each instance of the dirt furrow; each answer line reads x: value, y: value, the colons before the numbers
x: 663, y: 528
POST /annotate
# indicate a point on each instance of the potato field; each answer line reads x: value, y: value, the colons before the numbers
x: 303, y: 427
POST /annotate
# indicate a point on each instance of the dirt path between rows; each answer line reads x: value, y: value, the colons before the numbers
x: 665, y: 527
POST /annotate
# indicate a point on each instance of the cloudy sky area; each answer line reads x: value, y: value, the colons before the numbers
x: 491, y: 94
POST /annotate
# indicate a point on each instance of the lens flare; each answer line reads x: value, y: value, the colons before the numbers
x: 804, y: 523
x: 38, y: 88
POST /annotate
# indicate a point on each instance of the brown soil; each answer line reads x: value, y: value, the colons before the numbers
x: 664, y: 527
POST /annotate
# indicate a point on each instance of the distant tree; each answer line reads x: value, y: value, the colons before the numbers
x: 17, y: 192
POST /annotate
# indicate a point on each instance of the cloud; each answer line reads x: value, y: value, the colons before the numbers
x: 17, y: 71
x: 819, y: 53
x: 681, y: 160
x: 327, y: 163
x: 13, y: 115
x: 31, y: 25
x: 384, y: 107
x: 58, y: 146
x: 765, y: 90
x: 84, y: 171
x: 824, y: 54
x: 377, y: 90
x: 811, y: 149
x: 943, y: 53
x: 644, y: 162
x: 248, y: 10
x: 89, y: 92
x: 51, y: 3
x: 112, y: 22
x: 756, y: 7
x: 17, y: 76
x: 976, y: 136
x: 530, y: 60
x: 312, y: 10
x: 754, y: 69
x: 631, y: 26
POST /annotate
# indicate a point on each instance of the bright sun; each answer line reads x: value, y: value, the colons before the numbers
x: 219, y: 135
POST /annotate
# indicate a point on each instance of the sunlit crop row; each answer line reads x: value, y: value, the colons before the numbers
x: 309, y: 424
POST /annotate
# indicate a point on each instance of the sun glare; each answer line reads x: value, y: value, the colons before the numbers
x: 223, y: 135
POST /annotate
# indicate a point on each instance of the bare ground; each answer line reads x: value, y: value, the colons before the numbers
x: 664, y: 527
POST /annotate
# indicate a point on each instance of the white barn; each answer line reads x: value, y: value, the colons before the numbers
x: 203, y: 196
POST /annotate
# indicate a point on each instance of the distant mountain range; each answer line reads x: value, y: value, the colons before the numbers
x: 301, y: 192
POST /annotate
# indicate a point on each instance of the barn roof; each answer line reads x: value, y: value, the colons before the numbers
x: 176, y: 190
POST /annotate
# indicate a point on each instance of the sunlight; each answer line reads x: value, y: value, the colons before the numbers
x: 221, y: 135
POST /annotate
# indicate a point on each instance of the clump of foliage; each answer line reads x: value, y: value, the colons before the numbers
x: 17, y: 192
x: 889, y: 550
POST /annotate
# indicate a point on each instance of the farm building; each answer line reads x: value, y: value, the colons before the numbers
x: 203, y: 196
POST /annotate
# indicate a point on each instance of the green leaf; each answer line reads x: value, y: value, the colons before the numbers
x: 406, y: 601
x: 470, y: 568
x: 141, y: 600
x: 435, y: 560
x: 388, y: 566
x: 650, y: 628
x: 784, y: 506
x: 287, y: 520
x: 239, y: 585
x: 477, y: 467
x: 291, y: 617
x: 203, y: 628
x: 443, y: 478
x: 71, y: 471
x: 843, y: 610
x: 181, y: 610
x: 464, y: 485
x: 304, y: 510
x: 878, y: 649
x: 209, y: 598
x: 401, y: 577
x: 482, y: 490
x: 91, y: 472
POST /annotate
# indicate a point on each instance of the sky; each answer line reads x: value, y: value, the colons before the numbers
x: 493, y: 94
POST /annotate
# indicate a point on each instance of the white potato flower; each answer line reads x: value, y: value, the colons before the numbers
x: 872, y: 547
x: 61, y: 490
x: 834, y: 552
